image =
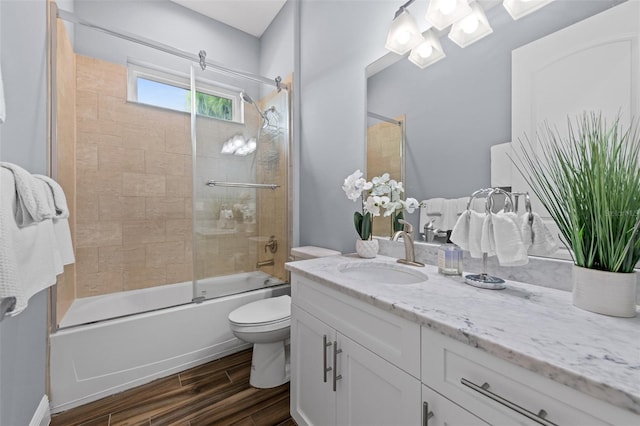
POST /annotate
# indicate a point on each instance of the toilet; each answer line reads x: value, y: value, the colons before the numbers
x: 267, y: 324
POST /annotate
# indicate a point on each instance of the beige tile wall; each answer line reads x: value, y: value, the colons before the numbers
x: 133, y: 187
x: 134, y: 192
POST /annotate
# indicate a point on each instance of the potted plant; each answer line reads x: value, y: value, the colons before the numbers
x: 589, y: 182
x: 380, y: 194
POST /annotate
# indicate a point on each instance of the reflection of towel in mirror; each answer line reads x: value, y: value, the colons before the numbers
x: 536, y: 237
x: 510, y: 249
x: 434, y: 206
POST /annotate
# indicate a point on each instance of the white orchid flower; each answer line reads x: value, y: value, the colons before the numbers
x: 380, y: 180
x: 392, y: 206
x: 410, y: 204
x: 396, y: 187
x: 354, y: 184
x: 373, y: 204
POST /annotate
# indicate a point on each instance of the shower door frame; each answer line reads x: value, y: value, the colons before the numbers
x: 54, y: 13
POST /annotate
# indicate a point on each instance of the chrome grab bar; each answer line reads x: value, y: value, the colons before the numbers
x: 484, y: 390
x: 243, y: 185
x: 7, y: 305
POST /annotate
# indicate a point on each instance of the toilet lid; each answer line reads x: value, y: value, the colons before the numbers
x: 262, y: 311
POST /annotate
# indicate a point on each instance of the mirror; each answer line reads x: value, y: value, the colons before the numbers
x: 385, y: 154
x: 456, y: 109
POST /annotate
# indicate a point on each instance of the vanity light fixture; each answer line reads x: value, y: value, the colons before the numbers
x: 404, y: 32
x: 442, y: 13
x: 470, y: 28
x: 519, y: 8
x: 428, y: 51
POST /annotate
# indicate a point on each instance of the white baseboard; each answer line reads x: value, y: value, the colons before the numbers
x: 42, y: 416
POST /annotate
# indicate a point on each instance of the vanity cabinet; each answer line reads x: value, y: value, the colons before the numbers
x: 500, y: 393
x: 337, y: 374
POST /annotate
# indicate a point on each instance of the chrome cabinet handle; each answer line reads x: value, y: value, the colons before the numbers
x: 336, y: 376
x: 325, y: 345
x: 484, y: 390
x: 426, y: 414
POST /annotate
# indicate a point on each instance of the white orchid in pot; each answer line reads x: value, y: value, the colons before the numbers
x: 589, y: 182
x: 381, y: 194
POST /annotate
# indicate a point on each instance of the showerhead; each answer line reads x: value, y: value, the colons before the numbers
x: 248, y: 99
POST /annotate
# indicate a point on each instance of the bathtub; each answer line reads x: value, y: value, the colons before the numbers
x: 91, y: 361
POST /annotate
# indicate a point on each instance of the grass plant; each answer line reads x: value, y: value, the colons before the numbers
x: 589, y: 182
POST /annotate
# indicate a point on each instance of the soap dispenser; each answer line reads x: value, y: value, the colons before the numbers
x: 450, y: 259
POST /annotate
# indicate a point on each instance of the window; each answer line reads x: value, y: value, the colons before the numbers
x: 164, y: 89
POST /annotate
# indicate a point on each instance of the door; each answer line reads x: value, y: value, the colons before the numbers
x: 589, y: 66
x: 313, y: 401
x: 372, y: 391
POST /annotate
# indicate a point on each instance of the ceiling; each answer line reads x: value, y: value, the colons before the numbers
x: 251, y: 16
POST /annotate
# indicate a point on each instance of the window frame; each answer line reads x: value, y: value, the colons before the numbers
x: 183, y: 81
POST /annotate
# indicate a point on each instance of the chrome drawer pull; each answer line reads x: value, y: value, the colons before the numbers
x: 484, y: 390
x: 325, y: 345
x: 336, y: 376
x: 426, y: 414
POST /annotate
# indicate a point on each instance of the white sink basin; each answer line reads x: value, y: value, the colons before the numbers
x: 379, y: 272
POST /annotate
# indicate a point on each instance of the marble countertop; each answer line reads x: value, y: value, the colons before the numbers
x: 534, y: 327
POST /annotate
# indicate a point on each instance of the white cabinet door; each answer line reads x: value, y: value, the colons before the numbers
x: 371, y: 391
x: 589, y: 66
x: 313, y: 401
x: 439, y: 411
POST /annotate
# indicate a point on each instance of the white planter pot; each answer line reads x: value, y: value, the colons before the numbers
x: 608, y: 293
x: 367, y: 248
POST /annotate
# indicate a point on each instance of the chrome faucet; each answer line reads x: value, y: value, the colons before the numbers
x: 409, y: 252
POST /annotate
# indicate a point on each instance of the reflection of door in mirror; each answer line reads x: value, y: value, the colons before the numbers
x: 558, y: 77
x: 385, y: 154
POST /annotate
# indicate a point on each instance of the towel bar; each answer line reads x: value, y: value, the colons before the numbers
x: 243, y: 185
x: 6, y: 305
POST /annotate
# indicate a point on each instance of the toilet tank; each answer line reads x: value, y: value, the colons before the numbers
x: 311, y: 252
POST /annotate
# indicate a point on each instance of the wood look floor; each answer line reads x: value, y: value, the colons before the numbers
x: 217, y: 393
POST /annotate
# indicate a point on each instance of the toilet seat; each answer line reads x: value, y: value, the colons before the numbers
x: 269, y: 313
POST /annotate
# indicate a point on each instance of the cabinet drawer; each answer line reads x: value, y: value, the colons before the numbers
x: 393, y: 338
x: 459, y: 372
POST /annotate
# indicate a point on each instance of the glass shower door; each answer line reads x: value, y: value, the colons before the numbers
x: 240, y: 133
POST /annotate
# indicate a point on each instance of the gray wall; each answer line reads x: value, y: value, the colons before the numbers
x: 23, y: 141
x: 447, y: 154
x: 277, y: 44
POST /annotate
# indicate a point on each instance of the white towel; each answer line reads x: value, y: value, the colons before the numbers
x: 460, y: 233
x: 536, y: 237
x: 461, y: 205
x: 35, y: 202
x: 510, y: 249
x: 3, y: 108
x: 487, y: 237
x: 434, y: 206
x: 30, y: 256
x: 59, y: 199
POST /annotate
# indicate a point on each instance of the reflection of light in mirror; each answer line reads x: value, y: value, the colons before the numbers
x: 469, y: 24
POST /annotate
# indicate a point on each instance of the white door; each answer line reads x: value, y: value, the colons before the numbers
x: 313, y: 401
x: 372, y: 391
x: 589, y: 66
x: 442, y: 412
